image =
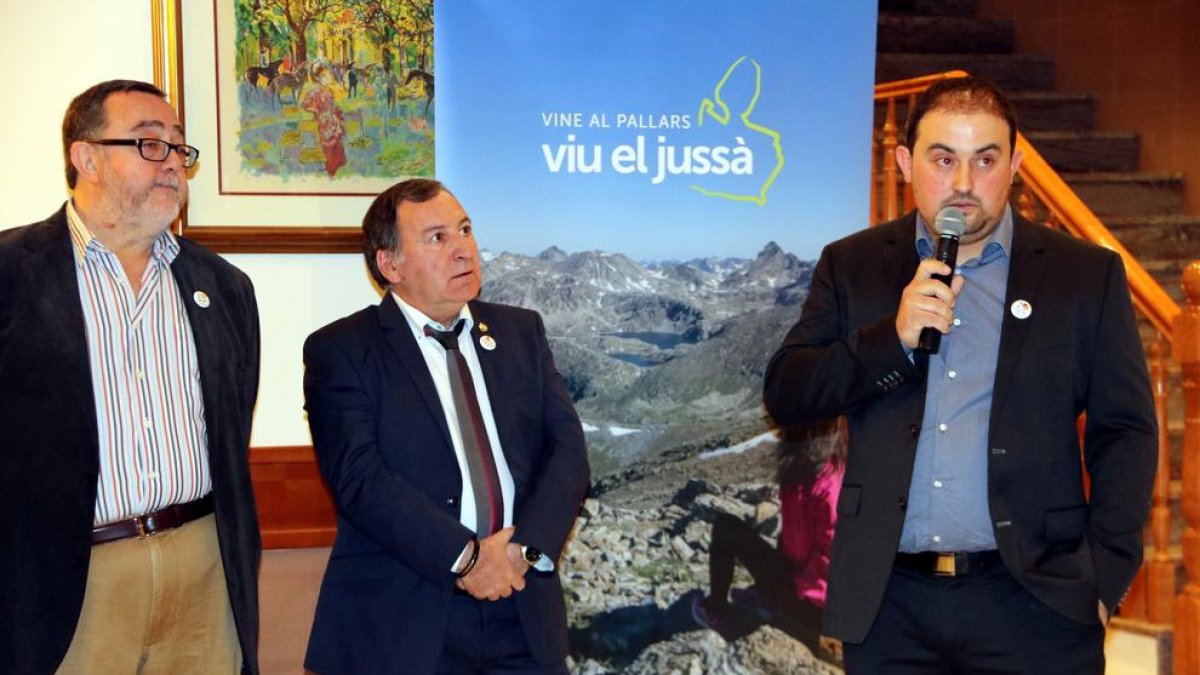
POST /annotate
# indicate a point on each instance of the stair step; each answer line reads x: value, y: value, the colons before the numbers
x: 930, y: 7
x: 1174, y: 237
x: 1010, y: 72
x: 1129, y: 194
x: 1036, y: 111
x: 1088, y: 150
x: 1054, y: 111
x: 906, y: 33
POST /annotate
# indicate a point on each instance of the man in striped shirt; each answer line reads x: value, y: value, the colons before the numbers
x: 128, y: 375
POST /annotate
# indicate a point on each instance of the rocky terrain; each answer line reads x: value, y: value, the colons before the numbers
x: 631, y: 574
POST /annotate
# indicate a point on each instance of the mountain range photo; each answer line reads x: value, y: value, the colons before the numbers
x: 660, y: 356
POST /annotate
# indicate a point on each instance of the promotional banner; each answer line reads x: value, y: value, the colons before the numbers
x: 657, y: 179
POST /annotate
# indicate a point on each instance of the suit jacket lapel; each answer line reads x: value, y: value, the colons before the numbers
x: 1025, y: 274
x: 209, y: 334
x: 54, y: 260
x: 900, y: 255
x: 399, y: 337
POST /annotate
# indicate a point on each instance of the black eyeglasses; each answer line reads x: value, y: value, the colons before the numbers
x: 156, y: 150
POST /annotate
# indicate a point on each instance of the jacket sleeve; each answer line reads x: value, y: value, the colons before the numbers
x: 827, y: 367
x: 1120, y: 443
x: 546, y: 516
x: 381, y: 504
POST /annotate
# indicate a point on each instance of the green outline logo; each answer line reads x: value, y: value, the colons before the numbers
x: 719, y: 111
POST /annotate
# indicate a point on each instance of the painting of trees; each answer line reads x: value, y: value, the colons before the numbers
x: 335, y: 88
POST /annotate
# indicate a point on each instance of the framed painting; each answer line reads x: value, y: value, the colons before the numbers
x: 303, y: 111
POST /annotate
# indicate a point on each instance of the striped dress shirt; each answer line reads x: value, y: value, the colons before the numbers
x: 145, y: 381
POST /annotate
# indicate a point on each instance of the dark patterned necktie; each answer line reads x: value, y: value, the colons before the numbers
x: 481, y: 465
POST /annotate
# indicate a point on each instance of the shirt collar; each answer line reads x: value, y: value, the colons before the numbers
x: 164, y: 249
x: 999, y: 244
x: 417, y: 320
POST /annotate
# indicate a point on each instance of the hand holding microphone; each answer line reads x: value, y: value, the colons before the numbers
x: 927, y: 304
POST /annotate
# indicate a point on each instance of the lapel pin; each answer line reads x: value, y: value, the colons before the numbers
x: 201, y: 299
x: 487, y: 342
x: 1021, y: 309
x: 483, y: 327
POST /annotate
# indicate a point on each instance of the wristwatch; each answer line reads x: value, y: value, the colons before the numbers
x: 532, y: 556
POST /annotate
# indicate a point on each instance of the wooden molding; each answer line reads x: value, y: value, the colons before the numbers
x: 233, y: 239
x: 295, y: 507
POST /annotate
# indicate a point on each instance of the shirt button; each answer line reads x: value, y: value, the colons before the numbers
x: 141, y: 374
x: 957, y: 322
x: 152, y: 475
x: 936, y: 539
x: 146, y: 423
x: 937, y: 483
x: 942, y: 427
x: 952, y: 374
x: 914, y: 430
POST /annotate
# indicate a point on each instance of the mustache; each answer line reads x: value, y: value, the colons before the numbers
x: 964, y: 199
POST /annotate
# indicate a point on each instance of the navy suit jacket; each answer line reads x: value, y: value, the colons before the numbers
x: 1078, y: 352
x: 49, y: 449
x: 383, y: 446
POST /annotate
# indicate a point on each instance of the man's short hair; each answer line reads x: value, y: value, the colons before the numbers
x: 85, y: 116
x: 963, y: 95
x: 381, y: 225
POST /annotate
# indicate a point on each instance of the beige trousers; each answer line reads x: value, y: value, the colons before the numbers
x: 156, y: 605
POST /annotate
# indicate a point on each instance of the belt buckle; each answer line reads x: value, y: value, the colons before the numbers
x: 144, y: 528
x: 945, y: 566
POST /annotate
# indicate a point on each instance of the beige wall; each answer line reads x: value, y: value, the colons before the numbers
x: 1141, y: 58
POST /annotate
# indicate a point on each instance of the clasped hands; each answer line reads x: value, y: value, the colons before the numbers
x: 926, y: 303
x: 498, y: 571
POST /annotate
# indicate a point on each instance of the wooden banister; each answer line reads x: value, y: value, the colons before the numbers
x: 1075, y: 217
x: 914, y: 85
x: 1187, y: 353
x: 891, y: 205
x: 1159, y: 567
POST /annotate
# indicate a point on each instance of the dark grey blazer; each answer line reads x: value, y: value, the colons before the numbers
x: 383, y: 446
x: 1079, y: 352
x: 49, y: 451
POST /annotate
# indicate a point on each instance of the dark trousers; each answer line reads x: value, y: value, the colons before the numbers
x: 978, y: 625
x: 733, y: 540
x: 486, y: 638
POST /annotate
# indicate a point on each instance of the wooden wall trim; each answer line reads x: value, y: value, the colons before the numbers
x: 240, y: 239
x: 295, y: 507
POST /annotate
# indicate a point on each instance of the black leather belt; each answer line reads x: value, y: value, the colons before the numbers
x: 949, y: 564
x: 151, y: 523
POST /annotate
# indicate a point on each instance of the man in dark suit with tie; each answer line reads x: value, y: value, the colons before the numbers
x: 966, y: 541
x: 128, y: 374
x: 456, y: 461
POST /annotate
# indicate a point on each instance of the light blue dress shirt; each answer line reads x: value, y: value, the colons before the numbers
x: 948, y: 498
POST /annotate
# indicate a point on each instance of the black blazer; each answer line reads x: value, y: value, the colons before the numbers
x: 49, y: 450
x: 1078, y: 352
x: 383, y: 446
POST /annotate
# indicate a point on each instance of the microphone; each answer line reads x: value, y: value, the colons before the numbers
x: 950, y: 225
